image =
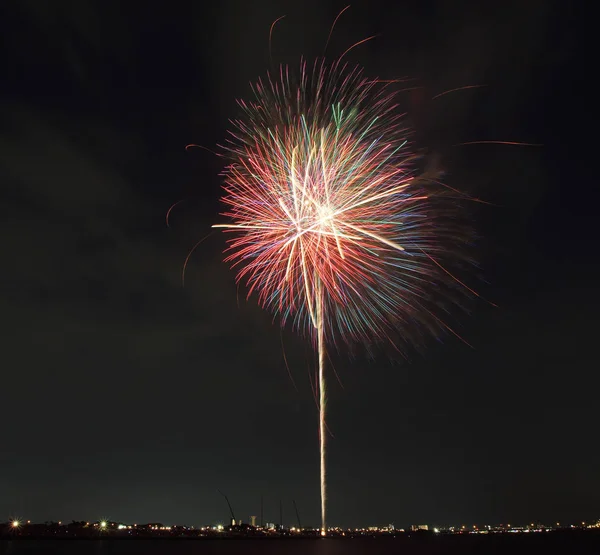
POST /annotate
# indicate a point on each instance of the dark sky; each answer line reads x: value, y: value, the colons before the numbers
x: 125, y: 395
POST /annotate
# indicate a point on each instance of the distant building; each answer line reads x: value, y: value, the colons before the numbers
x: 253, y: 521
x: 416, y: 527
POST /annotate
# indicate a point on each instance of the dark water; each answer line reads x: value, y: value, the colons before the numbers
x: 386, y: 546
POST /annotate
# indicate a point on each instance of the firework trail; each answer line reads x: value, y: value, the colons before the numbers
x: 331, y: 225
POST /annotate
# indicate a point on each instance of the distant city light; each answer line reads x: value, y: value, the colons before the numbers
x: 19, y: 528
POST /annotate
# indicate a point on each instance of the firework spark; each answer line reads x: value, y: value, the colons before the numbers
x: 332, y: 226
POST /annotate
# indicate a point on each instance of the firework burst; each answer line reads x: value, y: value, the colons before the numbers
x: 332, y: 226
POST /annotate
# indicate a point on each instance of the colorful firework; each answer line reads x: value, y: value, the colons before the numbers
x: 332, y: 225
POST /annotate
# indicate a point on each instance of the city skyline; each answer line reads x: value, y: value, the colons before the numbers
x: 109, y: 525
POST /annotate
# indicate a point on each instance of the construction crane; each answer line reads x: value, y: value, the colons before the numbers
x: 233, y: 520
x: 297, y: 514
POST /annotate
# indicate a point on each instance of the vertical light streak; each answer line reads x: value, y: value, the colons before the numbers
x: 322, y: 404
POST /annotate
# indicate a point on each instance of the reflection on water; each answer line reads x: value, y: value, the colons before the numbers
x: 504, y: 544
x: 325, y: 546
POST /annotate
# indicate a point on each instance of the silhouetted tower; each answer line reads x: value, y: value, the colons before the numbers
x: 280, y: 514
x: 261, y: 512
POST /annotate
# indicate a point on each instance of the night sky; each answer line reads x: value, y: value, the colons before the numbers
x: 127, y: 396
